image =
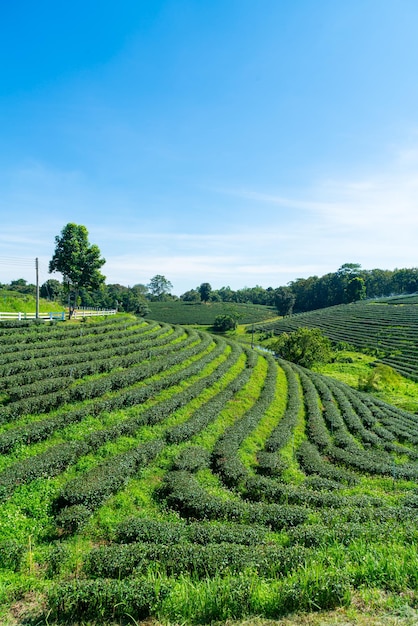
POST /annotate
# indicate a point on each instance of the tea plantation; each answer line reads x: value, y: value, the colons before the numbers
x: 199, y: 313
x: 150, y: 470
x: 387, y: 329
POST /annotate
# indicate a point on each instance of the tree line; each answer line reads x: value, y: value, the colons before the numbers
x: 83, y: 284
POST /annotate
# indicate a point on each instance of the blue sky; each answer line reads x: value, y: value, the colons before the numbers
x: 236, y: 142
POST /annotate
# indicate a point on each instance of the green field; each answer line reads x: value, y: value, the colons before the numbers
x: 153, y: 471
x: 204, y: 314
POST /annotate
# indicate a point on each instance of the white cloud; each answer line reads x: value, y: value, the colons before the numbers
x: 371, y: 219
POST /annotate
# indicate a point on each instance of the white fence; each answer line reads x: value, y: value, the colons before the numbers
x: 55, y: 315
x: 12, y: 315
x: 81, y: 312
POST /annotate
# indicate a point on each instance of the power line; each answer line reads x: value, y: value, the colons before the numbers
x: 21, y: 261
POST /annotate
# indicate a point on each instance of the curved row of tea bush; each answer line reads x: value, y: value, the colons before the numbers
x: 188, y: 471
x: 388, y: 332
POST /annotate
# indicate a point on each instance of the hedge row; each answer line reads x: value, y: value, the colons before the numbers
x: 123, y: 353
x: 91, y: 488
x: 342, y: 448
x: 29, y: 333
x: 225, y: 460
x: 283, y: 431
x: 199, y: 561
x: 58, y: 458
x: 43, y: 359
x: 316, y: 429
x: 41, y: 429
x: 207, y: 413
x: 98, y: 387
x: 182, y: 492
x: 143, y: 530
x: 72, y: 338
x: 103, y: 600
x: 312, y: 462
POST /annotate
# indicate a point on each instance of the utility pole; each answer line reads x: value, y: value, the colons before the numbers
x: 37, y: 287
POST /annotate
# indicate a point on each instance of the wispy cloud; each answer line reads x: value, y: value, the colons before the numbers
x: 371, y: 219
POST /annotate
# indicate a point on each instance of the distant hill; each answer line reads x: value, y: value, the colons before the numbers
x: 175, y: 312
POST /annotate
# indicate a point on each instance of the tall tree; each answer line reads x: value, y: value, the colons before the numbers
x: 51, y: 289
x: 159, y: 287
x: 205, y: 291
x: 355, y: 290
x: 78, y: 261
x: 284, y: 299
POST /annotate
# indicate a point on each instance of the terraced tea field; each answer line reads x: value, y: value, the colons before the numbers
x: 389, y: 329
x: 151, y: 470
x: 175, y: 312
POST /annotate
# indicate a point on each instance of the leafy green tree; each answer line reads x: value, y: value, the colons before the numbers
x: 134, y: 302
x: 78, y: 261
x: 349, y: 269
x: 227, y: 294
x: 159, y: 287
x: 284, y: 300
x: 405, y: 280
x: 22, y: 286
x: 355, y: 290
x: 51, y: 289
x: 304, y: 346
x: 224, y: 322
x: 205, y: 291
x: 190, y: 296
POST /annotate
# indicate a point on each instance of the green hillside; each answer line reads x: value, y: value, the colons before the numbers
x: 177, y: 312
x: 387, y: 329
x: 152, y: 470
x: 12, y: 301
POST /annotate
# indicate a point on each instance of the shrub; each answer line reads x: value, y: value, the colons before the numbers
x: 304, y: 346
x: 381, y: 377
x: 223, y: 323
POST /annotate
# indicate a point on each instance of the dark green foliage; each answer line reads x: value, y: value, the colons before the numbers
x: 211, y: 409
x: 313, y: 463
x: 205, y: 291
x: 182, y: 492
x: 284, y: 300
x: 283, y: 431
x: 223, y: 323
x: 192, y: 459
x: 304, y: 346
x: 198, y: 560
x: 90, y: 489
x: 270, y: 463
x: 143, y: 530
x: 159, y: 287
x: 72, y: 518
x: 11, y: 552
x: 54, y: 461
x: 224, y: 456
x: 355, y: 290
x: 103, y: 600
